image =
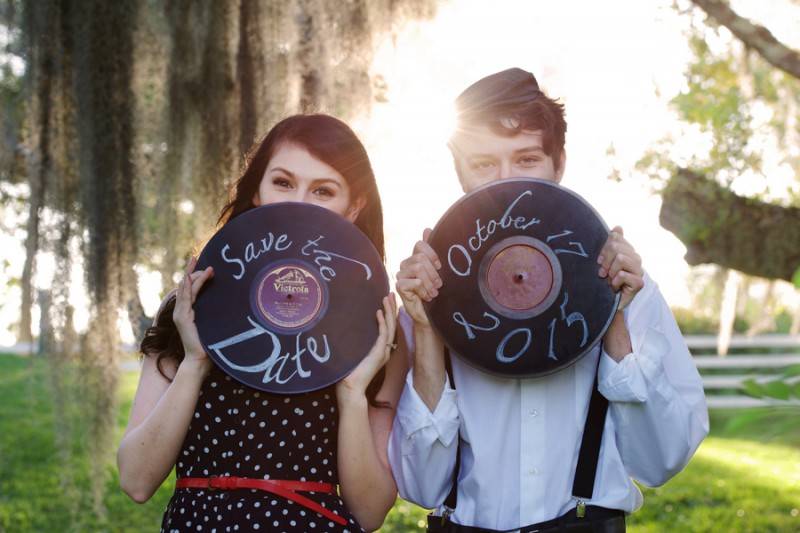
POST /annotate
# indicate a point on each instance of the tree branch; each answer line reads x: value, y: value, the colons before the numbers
x: 717, y: 226
x: 754, y: 36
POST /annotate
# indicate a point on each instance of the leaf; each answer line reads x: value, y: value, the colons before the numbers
x: 777, y: 389
x: 796, y: 278
x: 796, y: 390
x: 792, y: 371
x: 751, y: 388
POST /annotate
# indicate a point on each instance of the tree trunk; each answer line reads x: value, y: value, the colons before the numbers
x: 717, y: 226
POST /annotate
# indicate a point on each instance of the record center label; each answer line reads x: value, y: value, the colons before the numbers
x: 289, y: 296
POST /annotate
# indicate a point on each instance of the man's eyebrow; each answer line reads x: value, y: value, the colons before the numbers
x: 534, y: 148
x: 480, y: 156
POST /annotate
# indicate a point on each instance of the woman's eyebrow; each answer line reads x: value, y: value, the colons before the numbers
x: 281, y: 169
x: 327, y: 180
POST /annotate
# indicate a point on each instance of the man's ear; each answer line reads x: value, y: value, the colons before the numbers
x: 355, y: 209
x: 562, y: 163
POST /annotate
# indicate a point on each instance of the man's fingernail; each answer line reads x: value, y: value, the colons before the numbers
x: 600, y: 259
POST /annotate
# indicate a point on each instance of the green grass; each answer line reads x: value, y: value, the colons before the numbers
x: 745, y: 477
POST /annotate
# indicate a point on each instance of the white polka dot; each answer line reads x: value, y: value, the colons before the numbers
x: 213, y: 383
x: 221, y: 397
x: 262, y: 424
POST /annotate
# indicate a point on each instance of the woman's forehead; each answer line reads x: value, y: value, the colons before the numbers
x: 297, y: 160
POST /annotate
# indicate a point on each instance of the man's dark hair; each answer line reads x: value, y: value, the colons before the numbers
x: 509, y: 102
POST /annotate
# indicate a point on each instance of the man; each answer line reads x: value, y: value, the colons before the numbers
x: 518, y: 440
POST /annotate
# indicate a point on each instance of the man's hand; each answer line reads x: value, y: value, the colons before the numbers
x: 418, y: 279
x: 621, y: 266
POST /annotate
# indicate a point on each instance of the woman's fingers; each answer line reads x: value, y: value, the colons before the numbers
x: 197, y: 284
x: 191, y: 264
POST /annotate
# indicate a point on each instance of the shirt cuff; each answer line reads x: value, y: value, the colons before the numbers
x: 414, y: 415
x: 632, y: 378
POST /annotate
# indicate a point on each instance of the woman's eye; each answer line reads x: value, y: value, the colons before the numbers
x: 283, y: 183
x: 324, y: 191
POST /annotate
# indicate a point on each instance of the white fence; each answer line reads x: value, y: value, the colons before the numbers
x: 723, y: 377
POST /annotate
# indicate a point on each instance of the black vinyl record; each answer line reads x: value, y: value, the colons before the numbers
x: 291, y: 306
x: 521, y: 296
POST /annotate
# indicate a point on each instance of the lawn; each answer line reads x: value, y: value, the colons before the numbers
x: 745, y: 476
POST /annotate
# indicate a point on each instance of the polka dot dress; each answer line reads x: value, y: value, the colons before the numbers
x: 238, y: 431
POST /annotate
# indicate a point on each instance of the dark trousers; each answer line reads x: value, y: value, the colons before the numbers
x: 597, y: 520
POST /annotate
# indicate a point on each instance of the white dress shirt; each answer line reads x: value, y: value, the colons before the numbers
x: 520, y: 437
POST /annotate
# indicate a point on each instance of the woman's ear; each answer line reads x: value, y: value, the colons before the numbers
x: 355, y: 209
x: 256, y: 199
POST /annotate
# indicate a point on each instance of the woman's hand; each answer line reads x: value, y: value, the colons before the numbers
x: 355, y: 384
x: 183, y: 315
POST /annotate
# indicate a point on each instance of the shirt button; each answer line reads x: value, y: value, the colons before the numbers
x: 533, y: 471
x: 534, y: 412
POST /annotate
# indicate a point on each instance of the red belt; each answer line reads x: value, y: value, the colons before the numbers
x: 281, y: 487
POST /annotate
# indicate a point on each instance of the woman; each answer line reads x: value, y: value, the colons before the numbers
x: 188, y: 414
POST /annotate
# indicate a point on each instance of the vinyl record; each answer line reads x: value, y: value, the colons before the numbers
x: 291, y: 306
x: 520, y: 293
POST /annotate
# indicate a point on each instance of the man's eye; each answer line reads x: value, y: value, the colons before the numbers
x: 528, y: 161
x: 482, y: 165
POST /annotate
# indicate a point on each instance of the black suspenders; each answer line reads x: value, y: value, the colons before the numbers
x: 588, y: 456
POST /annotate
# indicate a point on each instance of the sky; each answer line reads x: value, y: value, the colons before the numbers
x: 614, y: 64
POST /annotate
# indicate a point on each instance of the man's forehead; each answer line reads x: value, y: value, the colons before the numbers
x: 482, y: 140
